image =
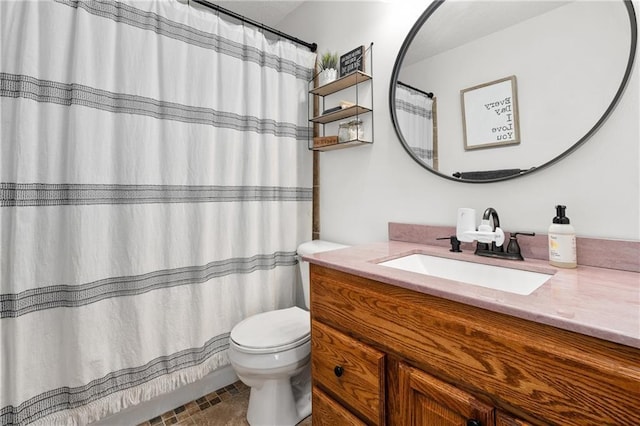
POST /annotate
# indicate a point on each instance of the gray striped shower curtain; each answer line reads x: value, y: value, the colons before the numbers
x: 154, y: 186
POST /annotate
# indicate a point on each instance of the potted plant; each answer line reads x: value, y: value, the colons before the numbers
x: 327, y: 68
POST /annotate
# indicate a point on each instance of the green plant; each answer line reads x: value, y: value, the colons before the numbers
x: 328, y: 60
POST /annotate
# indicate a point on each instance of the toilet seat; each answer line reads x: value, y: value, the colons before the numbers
x: 273, y: 331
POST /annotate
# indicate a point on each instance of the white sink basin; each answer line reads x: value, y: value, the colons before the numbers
x: 496, y: 277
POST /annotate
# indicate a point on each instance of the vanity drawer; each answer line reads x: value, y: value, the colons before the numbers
x: 350, y: 371
x: 328, y: 412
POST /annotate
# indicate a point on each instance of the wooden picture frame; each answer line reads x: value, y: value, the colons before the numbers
x: 490, y: 114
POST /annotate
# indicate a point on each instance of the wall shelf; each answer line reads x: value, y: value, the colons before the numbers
x: 351, y: 86
x: 341, y: 83
x: 341, y: 145
x: 341, y: 114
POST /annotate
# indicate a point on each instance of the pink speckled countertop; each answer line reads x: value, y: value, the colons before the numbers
x: 598, y: 302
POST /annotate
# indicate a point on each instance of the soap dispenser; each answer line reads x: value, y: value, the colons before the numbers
x: 562, y: 241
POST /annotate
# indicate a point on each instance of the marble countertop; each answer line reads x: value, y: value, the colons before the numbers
x: 598, y: 302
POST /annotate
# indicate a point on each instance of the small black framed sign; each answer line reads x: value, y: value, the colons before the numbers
x: 352, y: 61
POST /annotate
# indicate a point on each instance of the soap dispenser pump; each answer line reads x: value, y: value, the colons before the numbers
x: 562, y: 241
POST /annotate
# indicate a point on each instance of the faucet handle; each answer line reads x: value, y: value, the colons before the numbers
x: 513, y: 246
x: 455, y: 243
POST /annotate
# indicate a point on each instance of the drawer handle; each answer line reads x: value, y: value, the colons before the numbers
x: 473, y: 422
x: 338, y: 371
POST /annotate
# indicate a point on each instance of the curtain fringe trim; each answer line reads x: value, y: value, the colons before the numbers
x: 119, y: 401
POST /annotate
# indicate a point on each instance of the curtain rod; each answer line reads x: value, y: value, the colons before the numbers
x: 311, y: 46
x: 428, y: 94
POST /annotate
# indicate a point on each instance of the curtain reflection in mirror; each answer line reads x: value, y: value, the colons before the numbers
x: 417, y: 119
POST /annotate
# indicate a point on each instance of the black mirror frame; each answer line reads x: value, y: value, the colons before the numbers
x: 405, y: 46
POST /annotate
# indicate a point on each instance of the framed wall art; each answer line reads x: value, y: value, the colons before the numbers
x: 490, y: 114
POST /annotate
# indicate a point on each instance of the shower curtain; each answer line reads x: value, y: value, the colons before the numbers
x: 154, y: 186
x: 415, y: 118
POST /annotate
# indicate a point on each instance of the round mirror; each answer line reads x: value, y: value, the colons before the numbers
x: 484, y: 91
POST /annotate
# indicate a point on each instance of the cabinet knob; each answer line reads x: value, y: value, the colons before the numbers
x: 473, y: 422
x: 338, y: 371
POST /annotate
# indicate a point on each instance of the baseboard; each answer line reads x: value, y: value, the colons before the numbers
x: 147, y: 410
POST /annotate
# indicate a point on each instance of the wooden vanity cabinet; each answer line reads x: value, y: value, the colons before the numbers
x: 408, y: 358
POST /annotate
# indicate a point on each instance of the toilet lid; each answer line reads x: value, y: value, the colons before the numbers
x: 283, y: 329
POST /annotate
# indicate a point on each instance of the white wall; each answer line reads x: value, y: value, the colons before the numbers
x: 364, y: 188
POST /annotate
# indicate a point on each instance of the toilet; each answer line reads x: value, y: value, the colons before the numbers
x: 271, y: 353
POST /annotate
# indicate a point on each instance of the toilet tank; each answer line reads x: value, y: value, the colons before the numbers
x: 308, y: 248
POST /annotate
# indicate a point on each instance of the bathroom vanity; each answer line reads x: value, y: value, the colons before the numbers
x: 400, y: 348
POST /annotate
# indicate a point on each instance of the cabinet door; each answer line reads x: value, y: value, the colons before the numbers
x: 425, y: 400
x: 328, y: 412
x: 504, y: 419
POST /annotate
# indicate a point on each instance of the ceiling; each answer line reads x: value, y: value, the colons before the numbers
x: 267, y: 12
x: 488, y: 17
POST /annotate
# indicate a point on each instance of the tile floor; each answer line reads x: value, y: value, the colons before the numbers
x: 226, y: 406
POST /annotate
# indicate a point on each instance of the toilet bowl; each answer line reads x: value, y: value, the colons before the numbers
x: 271, y: 353
x: 267, y: 351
